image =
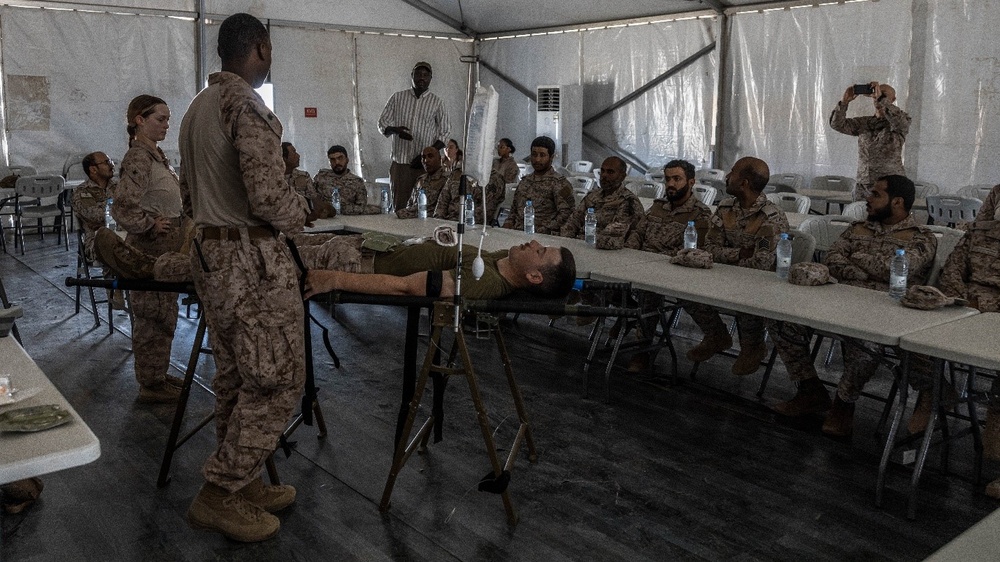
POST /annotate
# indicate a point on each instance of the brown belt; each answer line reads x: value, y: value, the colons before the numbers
x: 232, y: 233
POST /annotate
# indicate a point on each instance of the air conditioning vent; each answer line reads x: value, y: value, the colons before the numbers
x: 548, y: 99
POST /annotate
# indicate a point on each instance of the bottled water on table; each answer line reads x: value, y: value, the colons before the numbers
x: 470, y: 211
x: 335, y: 200
x: 590, y: 227
x: 899, y: 269
x: 784, y: 256
x: 421, y: 204
x: 109, y: 221
x: 690, y: 237
x: 529, y: 218
x: 385, y: 201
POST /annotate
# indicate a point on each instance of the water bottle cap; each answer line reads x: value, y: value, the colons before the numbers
x: 900, y: 251
x: 690, y: 223
x: 590, y: 209
x: 784, y: 236
x: 578, y: 285
x: 528, y: 202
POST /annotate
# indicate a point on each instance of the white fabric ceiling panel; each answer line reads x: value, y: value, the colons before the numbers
x: 384, y: 66
x: 69, y: 77
x: 383, y: 14
x: 790, y: 67
x: 671, y: 120
x: 323, y: 80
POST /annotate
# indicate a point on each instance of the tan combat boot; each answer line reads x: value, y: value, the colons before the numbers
x: 923, y: 411
x: 215, y: 509
x: 840, y: 419
x: 748, y: 361
x: 159, y: 393
x: 811, y: 398
x: 712, y: 343
x: 268, y: 498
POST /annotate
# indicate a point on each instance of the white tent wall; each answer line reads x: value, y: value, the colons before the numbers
x: 790, y: 67
x: 673, y: 119
x: 69, y: 76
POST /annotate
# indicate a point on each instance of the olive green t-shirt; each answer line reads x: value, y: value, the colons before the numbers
x: 429, y: 256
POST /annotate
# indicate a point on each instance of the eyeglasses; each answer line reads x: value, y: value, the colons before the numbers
x: 109, y: 162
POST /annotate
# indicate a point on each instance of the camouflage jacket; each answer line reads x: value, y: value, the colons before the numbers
x: 432, y: 184
x: 880, y: 140
x: 661, y: 230
x: 508, y: 169
x: 733, y: 229
x: 89, y: 205
x: 300, y: 181
x: 989, y: 209
x: 617, y: 214
x: 861, y: 256
x: 449, y: 203
x: 552, y: 197
x: 353, y: 193
x: 139, y: 180
x: 973, y: 268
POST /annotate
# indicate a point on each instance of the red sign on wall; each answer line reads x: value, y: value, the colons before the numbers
x: 310, y: 112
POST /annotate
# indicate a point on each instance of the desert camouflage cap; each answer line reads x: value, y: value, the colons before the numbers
x: 809, y: 274
x: 697, y: 257
x: 925, y: 297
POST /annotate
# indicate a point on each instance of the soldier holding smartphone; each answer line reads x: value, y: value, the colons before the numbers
x: 880, y: 137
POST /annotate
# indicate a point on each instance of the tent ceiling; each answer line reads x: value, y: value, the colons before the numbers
x: 490, y: 16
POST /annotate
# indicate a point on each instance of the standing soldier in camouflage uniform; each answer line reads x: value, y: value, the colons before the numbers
x: 148, y: 206
x: 972, y: 272
x: 550, y: 193
x: 449, y: 203
x: 432, y: 182
x: 661, y: 230
x: 90, y: 198
x: 246, y: 279
x: 352, y: 190
x: 618, y: 210
x: 744, y: 231
x: 860, y: 257
x: 880, y: 137
x: 297, y: 179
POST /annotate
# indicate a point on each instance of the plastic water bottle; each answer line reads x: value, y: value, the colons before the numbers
x: 385, y: 201
x: 336, y: 200
x: 421, y: 204
x: 529, y: 217
x: 109, y: 221
x: 590, y: 227
x: 470, y: 211
x: 899, y: 269
x: 784, y: 256
x: 690, y: 237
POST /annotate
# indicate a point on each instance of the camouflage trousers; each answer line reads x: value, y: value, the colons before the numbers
x: 254, y: 310
x: 861, y: 360
x: 155, y: 314
x: 707, y: 318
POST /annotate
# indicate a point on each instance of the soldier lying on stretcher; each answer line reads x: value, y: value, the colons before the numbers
x: 378, y: 265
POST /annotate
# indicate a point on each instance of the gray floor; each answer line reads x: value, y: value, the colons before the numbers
x: 699, y: 471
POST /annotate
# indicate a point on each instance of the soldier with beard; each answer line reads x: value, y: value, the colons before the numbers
x: 353, y: 194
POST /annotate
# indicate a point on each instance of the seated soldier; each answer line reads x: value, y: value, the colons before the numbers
x: 297, y: 179
x: 972, y: 272
x: 551, y: 194
x: 616, y: 208
x: 449, y: 203
x: 860, y: 257
x: 352, y: 190
x: 432, y: 182
x: 345, y: 263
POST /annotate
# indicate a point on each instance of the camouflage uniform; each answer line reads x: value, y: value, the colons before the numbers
x: 507, y: 168
x: 433, y: 185
x: 148, y: 189
x: 89, y: 204
x: 449, y: 203
x: 552, y: 197
x: 620, y: 208
x: 860, y: 257
x: 300, y: 181
x: 733, y: 228
x: 661, y: 230
x: 973, y: 269
x: 248, y: 286
x: 353, y: 193
x: 880, y: 143
x: 988, y: 212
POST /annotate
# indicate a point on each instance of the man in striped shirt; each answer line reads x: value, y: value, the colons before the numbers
x: 415, y: 118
